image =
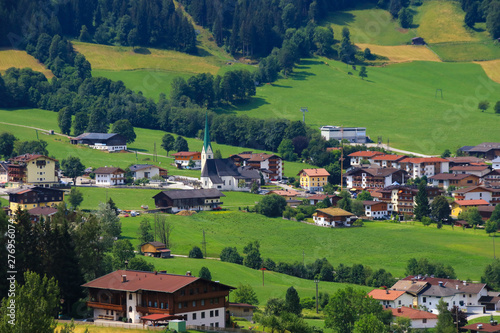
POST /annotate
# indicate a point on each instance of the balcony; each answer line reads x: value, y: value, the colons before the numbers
x: 106, y: 306
x: 146, y: 309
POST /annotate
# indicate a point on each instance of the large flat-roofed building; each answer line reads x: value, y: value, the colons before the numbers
x: 353, y: 134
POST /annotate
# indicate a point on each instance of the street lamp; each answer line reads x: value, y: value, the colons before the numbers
x: 317, y: 282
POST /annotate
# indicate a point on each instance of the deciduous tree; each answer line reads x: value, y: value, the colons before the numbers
x: 73, y: 168
x: 125, y: 129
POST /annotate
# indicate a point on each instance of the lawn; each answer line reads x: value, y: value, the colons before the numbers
x: 378, y: 245
x: 467, y: 51
x: 483, y: 320
x: 4, y: 202
x: 397, y: 102
x: 61, y: 148
x: 21, y: 59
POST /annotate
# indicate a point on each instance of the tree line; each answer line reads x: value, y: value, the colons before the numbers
x: 154, y: 23
x: 477, y: 11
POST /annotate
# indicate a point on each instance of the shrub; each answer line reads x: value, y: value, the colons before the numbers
x: 196, y: 253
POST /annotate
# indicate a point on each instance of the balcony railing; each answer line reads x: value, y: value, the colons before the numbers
x: 106, y: 306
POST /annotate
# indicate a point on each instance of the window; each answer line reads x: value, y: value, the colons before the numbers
x: 216, y: 300
x: 202, y: 302
x: 161, y: 305
x: 424, y: 299
x: 216, y: 313
x: 211, y: 313
x: 217, y: 324
x: 129, y: 309
x: 424, y: 321
x: 203, y: 315
x: 180, y: 305
x: 191, y: 291
x: 156, y: 304
x: 185, y: 304
x: 194, y: 316
x: 183, y: 292
x: 149, y: 303
x: 399, y: 302
x: 130, y: 296
x: 194, y: 304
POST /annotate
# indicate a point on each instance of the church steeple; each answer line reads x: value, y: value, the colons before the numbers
x: 207, y: 151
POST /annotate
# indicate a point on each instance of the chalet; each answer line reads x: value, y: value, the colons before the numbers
x: 317, y: 198
x: 388, y: 161
x: 352, y: 134
x: 491, y: 301
x: 419, y: 319
x: 377, y: 209
x: 32, y: 169
x: 333, y: 217
x: 183, y: 158
x: 486, y: 150
x: 445, y: 180
x: 366, y: 155
x: 32, y: 197
x: 475, y: 193
x: 313, y: 179
x: 485, y: 212
x: 417, y: 167
x: 402, y: 197
x: 148, y: 171
x: 36, y: 214
x: 287, y: 194
x: 495, y: 164
x: 109, y: 176
x: 477, y: 170
x: 491, y: 178
x: 417, y: 41
x: 460, y: 206
x: 135, y: 295
x: 464, y: 160
x: 270, y: 165
x: 177, y: 200
x: 223, y: 174
x: 101, y: 141
x: 155, y: 249
x: 4, y: 173
x: 391, y: 298
x: 368, y: 178
x: 477, y: 328
x: 241, y: 310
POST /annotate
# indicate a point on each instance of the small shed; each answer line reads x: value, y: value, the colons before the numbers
x: 155, y: 249
x: 177, y: 325
x: 417, y: 41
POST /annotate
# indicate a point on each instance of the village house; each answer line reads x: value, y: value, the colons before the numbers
x: 486, y: 150
x: 402, y: 197
x: 491, y: 301
x: 388, y: 161
x: 183, y: 158
x: 495, y: 164
x: 460, y: 206
x: 4, y: 173
x: 368, y: 178
x: 333, y: 217
x: 241, y: 310
x: 148, y: 171
x: 28, y: 198
x: 478, y: 328
x: 313, y: 179
x: 352, y: 134
x: 477, y: 170
x: 377, y: 209
x: 364, y: 155
x: 287, y: 194
x: 464, y: 160
x: 177, y: 200
x: 391, y: 298
x: 476, y: 193
x: 141, y: 296
x: 32, y: 169
x: 102, y: 141
x: 270, y: 165
x: 492, y: 178
x: 445, y: 180
x: 109, y: 176
x: 36, y: 214
x: 155, y: 249
x: 317, y: 198
x: 417, y: 167
x: 419, y: 319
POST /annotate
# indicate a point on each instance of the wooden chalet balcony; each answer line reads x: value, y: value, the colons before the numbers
x: 106, y: 306
x: 195, y: 297
x: 147, y: 309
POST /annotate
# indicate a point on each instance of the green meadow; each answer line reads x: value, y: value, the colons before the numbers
x: 377, y: 244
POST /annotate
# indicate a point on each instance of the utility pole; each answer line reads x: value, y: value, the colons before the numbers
x: 341, y: 157
x: 317, y: 301
x: 204, y: 244
x: 304, y: 110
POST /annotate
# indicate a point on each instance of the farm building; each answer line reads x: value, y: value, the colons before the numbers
x: 178, y: 200
x: 333, y: 217
x: 352, y: 134
x: 417, y: 41
x: 102, y: 141
x: 148, y: 171
x: 155, y: 249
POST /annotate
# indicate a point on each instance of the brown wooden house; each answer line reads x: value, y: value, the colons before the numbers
x: 155, y: 249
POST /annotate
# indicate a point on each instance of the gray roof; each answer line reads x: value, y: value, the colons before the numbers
x: 190, y: 194
x: 137, y: 167
x: 108, y: 170
x: 96, y: 136
x: 216, y: 168
x: 439, y: 291
x: 3, y: 167
x: 485, y: 147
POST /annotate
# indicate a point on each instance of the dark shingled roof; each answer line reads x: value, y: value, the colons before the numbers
x: 448, y: 176
x: 485, y: 147
x: 155, y: 244
x: 95, y: 136
x: 216, y: 168
x: 107, y: 170
x: 190, y: 194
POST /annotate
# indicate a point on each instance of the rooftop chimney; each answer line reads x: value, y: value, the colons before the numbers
x: 124, y: 278
x: 456, y: 287
x: 399, y: 310
x: 188, y: 273
x: 387, y: 291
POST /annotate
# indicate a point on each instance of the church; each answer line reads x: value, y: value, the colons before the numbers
x: 223, y: 174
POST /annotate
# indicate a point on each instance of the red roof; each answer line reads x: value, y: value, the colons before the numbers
x: 418, y: 160
x: 29, y: 157
x: 485, y: 327
x: 386, y: 295
x: 186, y: 153
x: 479, y: 202
x: 411, y: 313
x: 137, y: 280
x: 388, y: 157
x: 160, y: 316
x: 365, y: 153
x: 315, y: 172
x: 470, y: 168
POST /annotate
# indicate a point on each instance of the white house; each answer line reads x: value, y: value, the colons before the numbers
x: 333, y: 217
x: 352, y: 134
x: 474, y: 193
x: 148, y: 171
x: 367, y: 155
x: 424, y: 166
x: 109, y: 176
x: 496, y: 163
x: 391, y: 298
x: 377, y: 209
x: 419, y: 319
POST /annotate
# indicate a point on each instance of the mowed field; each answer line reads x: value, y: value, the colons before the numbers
x: 492, y: 69
x: 378, y: 244
x: 21, y: 59
x: 397, y: 102
x: 402, y: 53
x: 60, y: 147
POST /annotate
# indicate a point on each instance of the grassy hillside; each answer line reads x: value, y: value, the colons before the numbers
x: 396, y: 102
x: 61, y: 148
x: 402, y: 53
x: 379, y: 245
x: 21, y: 59
x: 492, y: 69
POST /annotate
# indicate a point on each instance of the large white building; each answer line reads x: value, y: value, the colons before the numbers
x: 353, y: 134
x: 109, y: 176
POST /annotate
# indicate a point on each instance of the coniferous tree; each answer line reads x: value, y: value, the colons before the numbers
x: 292, y: 301
x: 422, y: 207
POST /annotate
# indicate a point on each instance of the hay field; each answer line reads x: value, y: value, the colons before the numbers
x: 492, y: 69
x: 20, y: 59
x: 402, y: 53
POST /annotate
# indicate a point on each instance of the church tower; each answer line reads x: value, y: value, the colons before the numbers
x: 207, y: 152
